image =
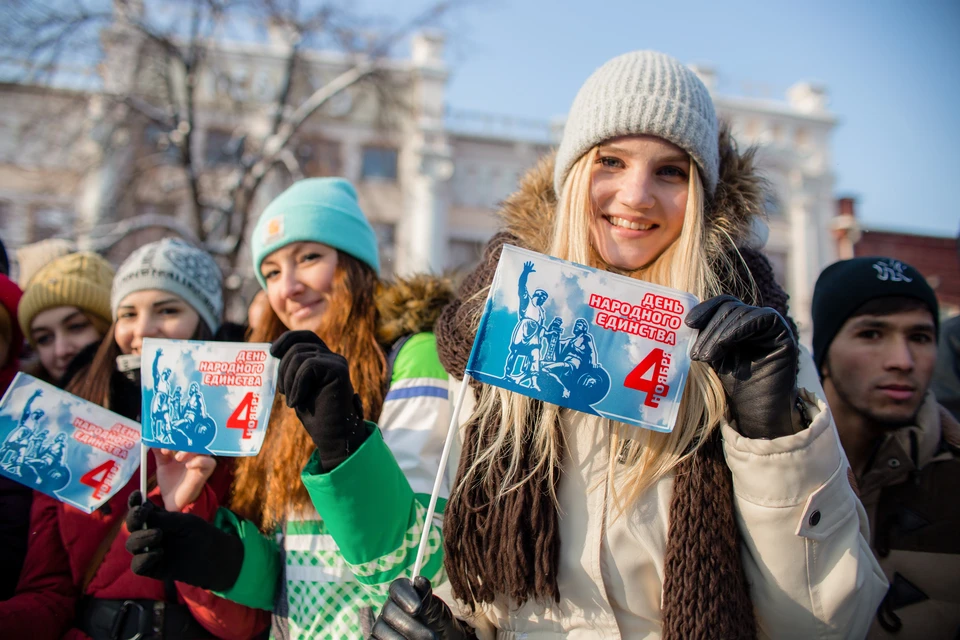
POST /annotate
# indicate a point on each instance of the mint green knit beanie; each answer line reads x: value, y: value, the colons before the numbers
x: 323, y: 210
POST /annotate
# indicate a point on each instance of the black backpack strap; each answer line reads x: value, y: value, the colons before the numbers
x: 392, y: 356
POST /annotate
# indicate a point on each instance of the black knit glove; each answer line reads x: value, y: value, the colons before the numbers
x: 181, y: 547
x: 755, y: 355
x: 413, y: 613
x: 316, y: 383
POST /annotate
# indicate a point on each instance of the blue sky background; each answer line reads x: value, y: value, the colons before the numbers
x: 892, y: 69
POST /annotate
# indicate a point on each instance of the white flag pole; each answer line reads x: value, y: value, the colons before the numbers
x: 431, y: 508
x: 143, y: 470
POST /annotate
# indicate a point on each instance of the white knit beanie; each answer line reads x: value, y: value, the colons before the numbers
x: 177, y: 267
x: 642, y: 92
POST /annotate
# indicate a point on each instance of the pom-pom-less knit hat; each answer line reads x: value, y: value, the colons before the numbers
x: 177, y: 267
x: 845, y: 286
x: 642, y: 92
x: 80, y: 280
x: 323, y: 210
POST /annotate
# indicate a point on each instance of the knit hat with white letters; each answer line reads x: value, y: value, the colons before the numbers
x: 847, y: 285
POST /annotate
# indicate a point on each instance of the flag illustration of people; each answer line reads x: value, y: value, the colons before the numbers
x: 540, y: 358
x: 177, y: 422
x: 30, y: 453
x: 205, y: 396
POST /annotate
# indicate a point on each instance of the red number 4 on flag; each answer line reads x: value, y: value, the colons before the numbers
x: 244, y: 416
x: 656, y: 387
x: 99, y: 478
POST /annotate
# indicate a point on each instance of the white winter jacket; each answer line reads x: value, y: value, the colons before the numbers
x: 805, y: 533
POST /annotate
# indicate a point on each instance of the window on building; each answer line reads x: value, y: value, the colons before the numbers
x: 6, y: 213
x: 168, y: 209
x: 157, y: 140
x: 779, y: 261
x: 800, y: 137
x: 463, y: 255
x: 47, y: 222
x: 772, y: 204
x: 318, y: 157
x: 387, y: 245
x: 220, y: 147
x: 379, y: 163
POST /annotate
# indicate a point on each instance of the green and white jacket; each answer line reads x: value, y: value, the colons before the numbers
x: 376, y: 500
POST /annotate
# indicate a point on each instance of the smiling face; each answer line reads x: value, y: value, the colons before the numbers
x: 299, y: 278
x: 60, y: 334
x: 639, y: 189
x: 878, y: 368
x: 153, y: 314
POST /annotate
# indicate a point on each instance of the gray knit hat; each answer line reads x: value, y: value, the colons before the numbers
x: 173, y: 265
x: 642, y: 92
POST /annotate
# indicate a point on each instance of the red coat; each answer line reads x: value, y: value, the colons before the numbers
x: 64, y: 539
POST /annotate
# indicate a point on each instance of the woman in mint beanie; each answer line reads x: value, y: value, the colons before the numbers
x: 355, y: 353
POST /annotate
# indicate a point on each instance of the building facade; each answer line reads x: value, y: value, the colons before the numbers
x: 936, y: 257
x: 429, y: 177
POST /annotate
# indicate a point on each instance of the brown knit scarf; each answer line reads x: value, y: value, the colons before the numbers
x: 513, y: 543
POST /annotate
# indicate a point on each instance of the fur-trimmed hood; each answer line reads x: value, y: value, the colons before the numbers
x: 738, y: 201
x: 411, y: 305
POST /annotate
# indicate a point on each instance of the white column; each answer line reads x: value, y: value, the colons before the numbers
x: 426, y: 221
x: 427, y: 164
x: 804, y: 257
x: 111, y: 153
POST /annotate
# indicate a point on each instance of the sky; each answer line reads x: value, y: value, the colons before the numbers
x: 891, y: 69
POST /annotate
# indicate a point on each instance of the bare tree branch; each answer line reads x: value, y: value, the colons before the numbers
x: 102, y: 238
x: 250, y: 180
x: 167, y: 74
x: 147, y: 110
x: 190, y: 62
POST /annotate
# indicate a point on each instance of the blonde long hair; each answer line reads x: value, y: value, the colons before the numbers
x: 503, y: 418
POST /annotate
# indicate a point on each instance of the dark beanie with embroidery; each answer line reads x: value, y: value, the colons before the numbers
x: 845, y: 286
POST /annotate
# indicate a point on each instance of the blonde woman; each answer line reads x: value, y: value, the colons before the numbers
x: 741, y: 522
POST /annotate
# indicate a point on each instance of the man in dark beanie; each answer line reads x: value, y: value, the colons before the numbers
x: 875, y: 325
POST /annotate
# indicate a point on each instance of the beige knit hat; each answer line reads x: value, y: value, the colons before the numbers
x: 642, y: 92
x: 79, y: 280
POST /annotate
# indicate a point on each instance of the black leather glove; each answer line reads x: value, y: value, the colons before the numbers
x: 181, y: 546
x: 755, y: 355
x: 316, y: 384
x: 413, y: 613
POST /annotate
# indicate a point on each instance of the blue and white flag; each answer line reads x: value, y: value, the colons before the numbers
x: 206, y: 397
x: 584, y: 339
x: 73, y: 450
